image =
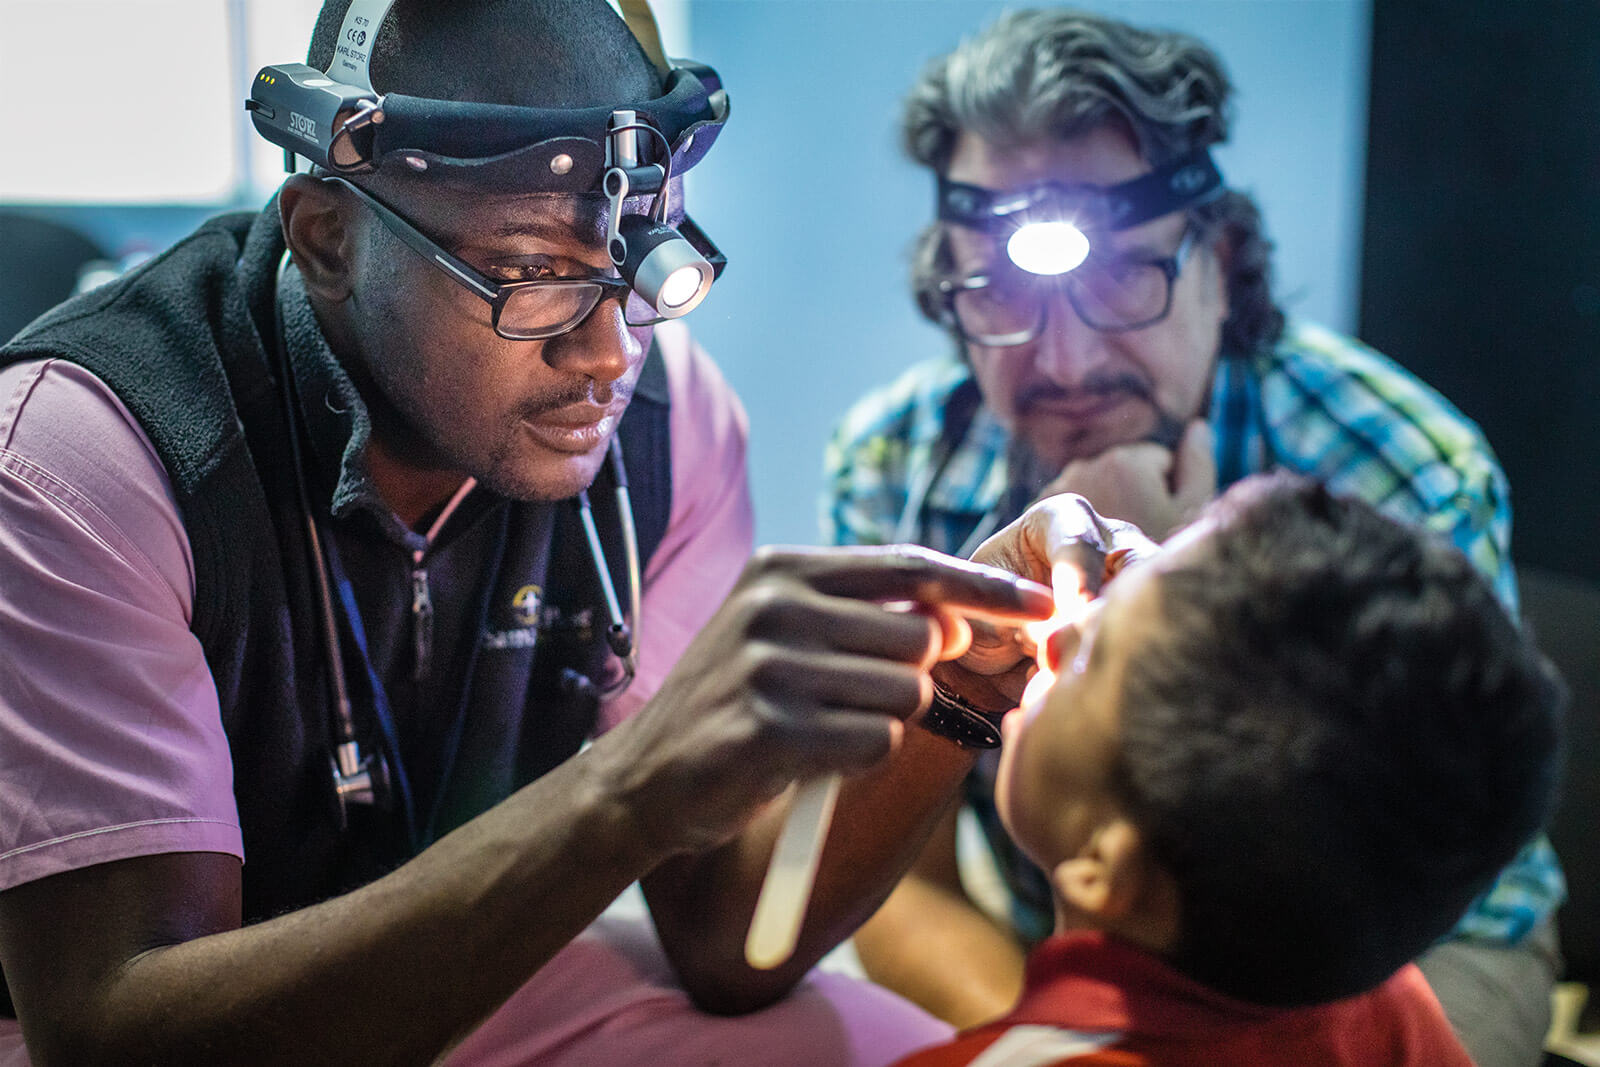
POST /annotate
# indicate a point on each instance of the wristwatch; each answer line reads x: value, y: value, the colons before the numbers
x: 958, y: 719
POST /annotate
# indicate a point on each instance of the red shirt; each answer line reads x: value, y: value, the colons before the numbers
x: 1093, y: 1000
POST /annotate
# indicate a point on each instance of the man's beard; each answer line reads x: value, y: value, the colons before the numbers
x: 1027, y: 473
x: 1026, y: 477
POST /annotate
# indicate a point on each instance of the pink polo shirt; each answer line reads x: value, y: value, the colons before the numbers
x: 111, y: 743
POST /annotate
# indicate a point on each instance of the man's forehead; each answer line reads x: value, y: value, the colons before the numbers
x: 1102, y: 156
x: 1188, y: 541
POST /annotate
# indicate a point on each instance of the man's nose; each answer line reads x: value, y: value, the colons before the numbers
x: 1068, y: 350
x: 602, y: 347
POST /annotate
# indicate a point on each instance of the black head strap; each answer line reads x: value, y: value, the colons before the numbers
x: 1185, y: 182
x: 499, y: 146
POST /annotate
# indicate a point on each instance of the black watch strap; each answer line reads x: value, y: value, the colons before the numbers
x: 953, y: 717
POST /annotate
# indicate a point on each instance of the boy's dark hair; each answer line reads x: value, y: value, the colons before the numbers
x: 1337, y: 740
x: 532, y: 53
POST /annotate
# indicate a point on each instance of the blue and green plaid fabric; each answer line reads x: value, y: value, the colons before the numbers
x: 1319, y: 404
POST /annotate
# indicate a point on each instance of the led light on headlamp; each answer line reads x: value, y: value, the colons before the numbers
x: 656, y: 261
x: 309, y: 114
x: 1048, y: 228
x: 662, y: 267
x: 1048, y: 247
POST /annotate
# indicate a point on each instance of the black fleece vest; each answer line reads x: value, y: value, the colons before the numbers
x: 185, y: 343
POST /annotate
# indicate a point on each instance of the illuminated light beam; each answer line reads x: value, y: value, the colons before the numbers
x: 1072, y: 602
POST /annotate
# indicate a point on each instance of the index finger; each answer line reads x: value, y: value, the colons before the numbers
x: 922, y: 576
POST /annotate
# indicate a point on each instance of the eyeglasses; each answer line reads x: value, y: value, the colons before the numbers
x: 1112, y: 294
x: 531, y: 310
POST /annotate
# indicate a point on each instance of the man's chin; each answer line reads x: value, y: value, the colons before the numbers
x: 547, y: 476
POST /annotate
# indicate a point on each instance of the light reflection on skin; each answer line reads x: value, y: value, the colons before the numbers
x: 1074, y: 610
x: 1073, y: 607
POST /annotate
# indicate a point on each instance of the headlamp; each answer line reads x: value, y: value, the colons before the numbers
x: 660, y: 265
x: 336, y: 120
x: 1048, y: 228
x: 1048, y: 247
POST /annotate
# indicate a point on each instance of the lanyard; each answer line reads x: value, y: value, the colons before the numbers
x: 379, y: 777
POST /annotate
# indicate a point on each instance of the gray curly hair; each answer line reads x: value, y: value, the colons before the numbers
x: 1058, y: 73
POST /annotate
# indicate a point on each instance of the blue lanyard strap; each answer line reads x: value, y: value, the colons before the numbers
x: 388, y: 739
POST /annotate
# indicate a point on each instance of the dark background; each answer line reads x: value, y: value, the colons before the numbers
x: 1481, y: 249
x: 1481, y: 272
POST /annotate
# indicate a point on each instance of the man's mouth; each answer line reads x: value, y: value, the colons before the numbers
x: 576, y: 428
x: 1075, y: 406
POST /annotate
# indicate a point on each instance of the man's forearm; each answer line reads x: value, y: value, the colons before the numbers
x: 394, y: 972
x: 933, y: 946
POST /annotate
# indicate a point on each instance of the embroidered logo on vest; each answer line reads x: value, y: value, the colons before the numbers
x: 525, y: 614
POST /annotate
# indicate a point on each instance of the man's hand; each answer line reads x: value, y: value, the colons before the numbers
x: 1143, y: 483
x: 1064, y: 528
x: 808, y: 668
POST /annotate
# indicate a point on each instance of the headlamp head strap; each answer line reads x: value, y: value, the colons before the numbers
x: 338, y: 121
x: 358, y: 36
x: 499, y: 147
x: 1183, y: 183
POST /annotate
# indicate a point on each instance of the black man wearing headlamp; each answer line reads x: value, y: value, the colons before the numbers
x: 330, y: 538
x: 1115, y: 336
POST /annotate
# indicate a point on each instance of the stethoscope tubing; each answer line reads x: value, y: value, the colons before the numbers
x: 348, y: 760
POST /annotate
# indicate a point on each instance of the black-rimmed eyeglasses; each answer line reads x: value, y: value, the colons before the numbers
x: 538, y: 308
x: 1112, y: 294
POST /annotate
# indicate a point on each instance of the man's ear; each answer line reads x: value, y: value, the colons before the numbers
x: 316, y: 225
x: 1108, y: 876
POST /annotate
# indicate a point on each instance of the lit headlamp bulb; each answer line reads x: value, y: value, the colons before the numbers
x: 1048, y: 247
x: 661, y: 265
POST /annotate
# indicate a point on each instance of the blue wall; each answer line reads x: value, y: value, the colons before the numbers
x: 809, y: 197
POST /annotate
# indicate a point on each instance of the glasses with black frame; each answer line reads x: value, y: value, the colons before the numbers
x: 1007, y: 306
x: 538, y: 308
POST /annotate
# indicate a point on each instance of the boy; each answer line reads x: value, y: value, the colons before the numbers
x: 1278, y: 761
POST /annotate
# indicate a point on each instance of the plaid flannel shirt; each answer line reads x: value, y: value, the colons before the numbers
x: 1319, y: 404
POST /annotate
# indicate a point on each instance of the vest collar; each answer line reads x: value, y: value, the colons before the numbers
x: 336, y: 419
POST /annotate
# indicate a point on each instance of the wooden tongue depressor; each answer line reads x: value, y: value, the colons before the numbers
x: 786, y: 892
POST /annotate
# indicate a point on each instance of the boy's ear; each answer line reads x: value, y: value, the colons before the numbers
x: 1108, y: 876
x: 316, y: 227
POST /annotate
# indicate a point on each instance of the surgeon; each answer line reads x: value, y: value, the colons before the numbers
x: 331, y: 536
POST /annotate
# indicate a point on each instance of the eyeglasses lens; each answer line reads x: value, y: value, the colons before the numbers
x: 546, y: 310
x: 552, y: 308
x: 1114, y: 296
